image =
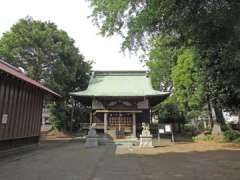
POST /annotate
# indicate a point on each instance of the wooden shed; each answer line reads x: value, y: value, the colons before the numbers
x: 21, y: 104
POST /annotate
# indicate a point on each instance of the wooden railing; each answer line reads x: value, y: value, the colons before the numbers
x: 126, y: 126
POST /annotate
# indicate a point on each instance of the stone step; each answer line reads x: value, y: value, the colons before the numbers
x: 111, y: 133
x: 126, y: 141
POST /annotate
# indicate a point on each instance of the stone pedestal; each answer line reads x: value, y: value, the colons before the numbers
x: 145, y: 137
x: 146, y: 141
x: 91, y: 140
x: 134, y: 125
x: 105, y: 123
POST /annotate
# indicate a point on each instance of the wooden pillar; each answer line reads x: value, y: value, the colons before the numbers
x: 150, y: 115
x: 105, y: 122
x: 134, y: 124
x: 90, y: 119
x: 72, y: 114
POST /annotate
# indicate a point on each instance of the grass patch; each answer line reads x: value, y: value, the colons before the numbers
x: 208, y: 137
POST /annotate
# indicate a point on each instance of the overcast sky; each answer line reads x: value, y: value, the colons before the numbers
x: 71, y: 16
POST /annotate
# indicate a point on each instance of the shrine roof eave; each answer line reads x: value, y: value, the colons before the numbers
x: 119, y: 84
x: 153, y: 99
x: 77, y: 94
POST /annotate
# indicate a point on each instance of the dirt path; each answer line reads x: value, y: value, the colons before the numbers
x: 71, y: 161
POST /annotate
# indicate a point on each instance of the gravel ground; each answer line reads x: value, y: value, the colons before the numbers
x: 71, y: 161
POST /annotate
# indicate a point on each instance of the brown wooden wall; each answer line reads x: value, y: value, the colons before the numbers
x: 23, y: 104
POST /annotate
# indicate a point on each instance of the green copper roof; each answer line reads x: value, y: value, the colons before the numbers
x: 119, y: 83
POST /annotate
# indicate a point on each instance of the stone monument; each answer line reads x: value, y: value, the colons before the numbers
x: 91, y: 140
x: 145, y: 137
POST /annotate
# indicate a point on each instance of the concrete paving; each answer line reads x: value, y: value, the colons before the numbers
x: 71, y: 161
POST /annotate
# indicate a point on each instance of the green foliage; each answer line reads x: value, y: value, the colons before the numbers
x: 161, y: 58
x: 57, y: 115
x: 48, y: 55
x: 169, y: 112
x: 188, y: 83
x: 212, y: 27
x: 230, y: 134
x: 137, y: 17
x: 237, y: 140
x: 194, y: 139
x: 174, y: 68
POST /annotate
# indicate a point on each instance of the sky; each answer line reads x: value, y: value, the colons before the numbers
x: 72, y: 17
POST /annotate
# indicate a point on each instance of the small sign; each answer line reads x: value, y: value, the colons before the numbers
x: 161, y: 131
x: 4, y: 118
x: 168, y: 128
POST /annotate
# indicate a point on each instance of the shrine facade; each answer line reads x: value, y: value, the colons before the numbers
x: 120, y: 101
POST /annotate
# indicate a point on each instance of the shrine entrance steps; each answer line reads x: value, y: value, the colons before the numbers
x: 128, y: 141
x: 111, y: 134
x: 110, y: 138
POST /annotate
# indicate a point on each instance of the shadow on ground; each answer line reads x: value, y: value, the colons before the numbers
x: 71, y: 161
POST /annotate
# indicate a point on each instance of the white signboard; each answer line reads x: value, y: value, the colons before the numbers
x: 161, y: 131
x: 168, y: 128
x: 4, y: 119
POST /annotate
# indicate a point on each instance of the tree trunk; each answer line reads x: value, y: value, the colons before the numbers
x: 65, y: 118
x: 217, y: 118
x: 210, y: 112
x: 238, y: 119
x: 179, y: 127
x: 218, y: 113
x: 72, y: 114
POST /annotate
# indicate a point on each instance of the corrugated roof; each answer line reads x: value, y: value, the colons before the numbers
x: 18, y: 74
x: 119, y: 84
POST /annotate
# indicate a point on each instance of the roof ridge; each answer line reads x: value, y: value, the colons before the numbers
x: 10, y: 66
x: 120, y: 73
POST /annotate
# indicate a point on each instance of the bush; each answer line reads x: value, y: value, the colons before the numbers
x: 225, y: 127
x: 230, y: 134
x: 195, y: 139
x: 208, y: 137
x: 57, y: 115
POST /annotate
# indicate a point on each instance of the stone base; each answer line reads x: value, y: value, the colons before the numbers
x: 91, y: 142
x: 216, y: 131
x: 146, y: 141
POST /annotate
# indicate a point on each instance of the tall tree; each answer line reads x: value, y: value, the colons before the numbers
x: 188, y: 83
x: 176, y: 69
x: 48, y: 55
x: 211, y: 26
x: 161, y: 58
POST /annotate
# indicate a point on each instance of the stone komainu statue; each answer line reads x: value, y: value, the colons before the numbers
x: 146, y: 129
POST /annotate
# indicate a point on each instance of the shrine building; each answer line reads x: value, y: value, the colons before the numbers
x: 119, y: 101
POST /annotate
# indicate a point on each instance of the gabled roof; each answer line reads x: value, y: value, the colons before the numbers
x: 7, y: 68
x: 119, y: 84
